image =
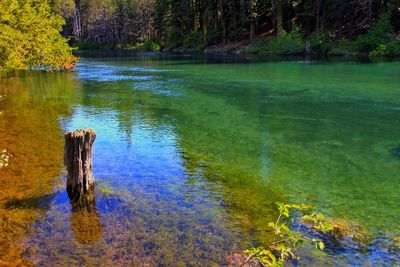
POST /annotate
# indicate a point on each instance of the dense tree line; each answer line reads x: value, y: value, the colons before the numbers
x: 30, y: 29
x: 190, y: 23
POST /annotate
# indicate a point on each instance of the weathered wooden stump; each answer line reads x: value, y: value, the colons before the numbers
x: 78, y: 160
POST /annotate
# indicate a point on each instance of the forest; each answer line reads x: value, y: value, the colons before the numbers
x: 372, y: 25
x: 41, y: 33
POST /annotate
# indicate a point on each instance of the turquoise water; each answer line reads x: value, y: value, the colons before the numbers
x: 192, y: 154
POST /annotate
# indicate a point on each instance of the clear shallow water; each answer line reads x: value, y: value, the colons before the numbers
x: 192, y: 154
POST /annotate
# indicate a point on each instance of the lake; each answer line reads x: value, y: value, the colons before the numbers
x: 191, y: 155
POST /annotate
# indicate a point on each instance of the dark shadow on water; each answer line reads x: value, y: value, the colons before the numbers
x: 38, y: 202
x: 84, y: 218
x: 395, y: 152
x: 85, y: 221
x: 86, y: 226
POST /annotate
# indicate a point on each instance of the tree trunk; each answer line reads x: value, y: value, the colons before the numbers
x: 78, y: 160
x: 205, y: 29
x: 279, y: 16
x: 77, y: 28
x: 252, y: 29
x: 318, y: 16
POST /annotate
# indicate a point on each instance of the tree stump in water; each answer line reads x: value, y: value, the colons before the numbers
x: 78, y: 160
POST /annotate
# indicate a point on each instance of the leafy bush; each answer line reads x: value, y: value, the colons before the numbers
x: 381, y: 50
x: 30, y: 37
x: 151, y: 45
x: 344, y: 46
x: 193, y: 41
x: 287, y: 42
x: 391, y: 48
x: 377, y: 37
x: 321, y: 43
x: 258, y: 45
x: 286, y: 241
x: 86, y: 45
x: 174, y: 39
x: 212, y: 37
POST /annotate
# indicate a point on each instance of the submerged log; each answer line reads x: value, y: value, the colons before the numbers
x: 78, y: 161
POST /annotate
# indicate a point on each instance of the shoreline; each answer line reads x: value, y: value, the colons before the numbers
x: 237, y: 49
x: 240, y: 48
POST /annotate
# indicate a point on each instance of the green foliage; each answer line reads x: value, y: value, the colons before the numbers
x: 380, y: 39
x: 30, y: 37
x: 150, y: 46
x: 87, y: 45
x: 391, y: 48
x: 193, y: 24
x: 106, y: 191
x: 321, y: 42
x: 286, y: 43
x: 257, y: 45
x: 286, y: 241
x: 174, y: 39
x: 381, y: 50
x: 193, y: 41
x: 341, y: 47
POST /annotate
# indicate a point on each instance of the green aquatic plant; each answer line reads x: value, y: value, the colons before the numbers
x: 106, y: 191
x: 286, y: 240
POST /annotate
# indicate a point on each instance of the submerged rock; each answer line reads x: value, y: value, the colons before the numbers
x: 344, y: 233
x: 237, y: 260
x: 348, y: 233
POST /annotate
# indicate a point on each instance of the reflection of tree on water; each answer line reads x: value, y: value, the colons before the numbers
x: 30, y: 132
x: 85, y: 222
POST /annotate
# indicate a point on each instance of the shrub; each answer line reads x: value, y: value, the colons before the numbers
x: 174, y: 38
x: 287, y: 42
x: 212, y: 37
x: 321, y: 43
x: 86, y: 44
x: 193, y: 41
x: 286, y: 241
x: 343, y: 46
x: 151, y: 45
x: 377, y: 37
x: 386, y: 49
x: 30, y: 37
x: 258, y: 45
